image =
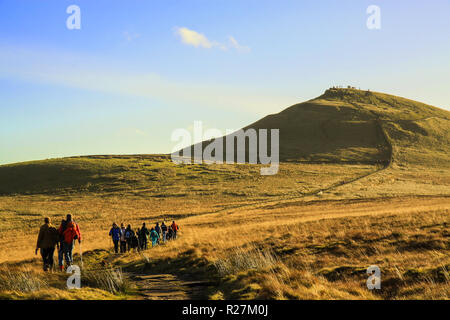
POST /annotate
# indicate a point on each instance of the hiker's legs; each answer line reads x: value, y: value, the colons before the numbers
x: 47, y: 257
x: 123, y: 246
x: 116, y: 246
x: 61, y: 256
x: 44, y: 259
x: 49, y: 252
x: 66, y: 254
x: 70, y: 251
x: 128, y: 245
x: 68, y: 248
x: 175, y: 234
x: 164, y: 236
x: 51, y: 255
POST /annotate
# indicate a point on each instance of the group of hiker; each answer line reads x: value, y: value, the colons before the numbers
x: 62, y: 238
x: 126, y: 239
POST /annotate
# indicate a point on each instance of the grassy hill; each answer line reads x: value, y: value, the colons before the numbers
x: 350, y: 125
x: 157, y: 176
x: 341, y: 126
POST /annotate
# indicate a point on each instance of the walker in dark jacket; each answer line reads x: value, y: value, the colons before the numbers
x: 115, y: 234
x: 47, y: 240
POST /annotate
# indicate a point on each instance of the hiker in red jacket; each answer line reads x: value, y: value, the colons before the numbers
x: 69, y: 232
x: 175, y: 228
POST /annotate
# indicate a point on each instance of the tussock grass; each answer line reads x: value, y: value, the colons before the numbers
x: 110, y: 279
x: 21, y: 280
x: 239, y: 260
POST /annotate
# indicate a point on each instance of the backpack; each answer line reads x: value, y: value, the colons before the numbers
x: 62, y: 229
x: 129, y: 234
x: 154, y: 235
x: 71, y: 233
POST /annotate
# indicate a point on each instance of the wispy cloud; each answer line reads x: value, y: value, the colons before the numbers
x: 130, y: 132
x: 196, y: 39
x: 130, y: 36
x: 234, y: 44
x: 97, y: 74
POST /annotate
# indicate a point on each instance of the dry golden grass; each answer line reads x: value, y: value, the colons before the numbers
x: 272, y: 241
x: 321, y: 250
x: 26, y: 280
x: 406, y: 238
x: 21, y: 215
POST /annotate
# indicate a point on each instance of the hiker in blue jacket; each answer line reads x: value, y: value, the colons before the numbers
x: 115, y: 233
x: 154, y: 236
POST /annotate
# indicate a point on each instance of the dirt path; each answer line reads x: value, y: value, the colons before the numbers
x: 168, y: 287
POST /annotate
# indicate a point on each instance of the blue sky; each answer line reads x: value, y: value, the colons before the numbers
x: 137, y: 70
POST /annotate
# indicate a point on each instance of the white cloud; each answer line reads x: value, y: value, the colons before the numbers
x: 199, y: 40
x: 193, y: 38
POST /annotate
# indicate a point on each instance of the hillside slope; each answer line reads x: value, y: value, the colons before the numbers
x: 367, y: 131
x: 350, y: 125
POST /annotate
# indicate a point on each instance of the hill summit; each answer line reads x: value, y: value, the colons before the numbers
x: 357, y: 126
